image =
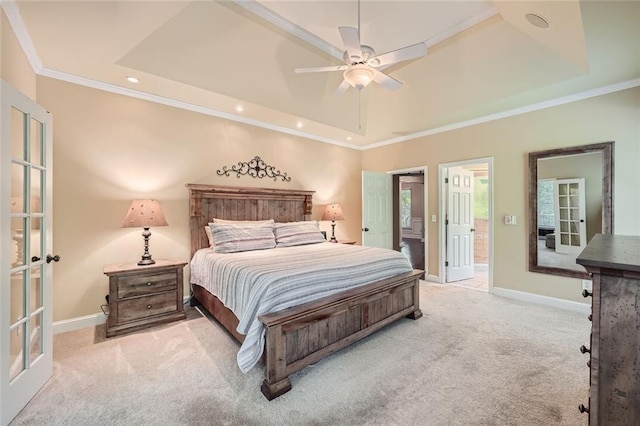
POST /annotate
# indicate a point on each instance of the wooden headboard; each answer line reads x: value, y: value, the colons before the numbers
x: 242, y: 203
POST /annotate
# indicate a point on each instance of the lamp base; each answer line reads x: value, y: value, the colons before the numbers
x: 333, y: 238
x: 147, y: 261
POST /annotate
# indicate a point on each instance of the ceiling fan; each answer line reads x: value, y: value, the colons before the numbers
x: 363, y: 65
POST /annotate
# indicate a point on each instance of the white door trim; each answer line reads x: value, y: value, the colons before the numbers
x: 425, y: 173
x: 442, y: 192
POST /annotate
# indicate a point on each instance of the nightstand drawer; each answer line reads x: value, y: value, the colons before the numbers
x: 143, y: 307
x: 136, y: 285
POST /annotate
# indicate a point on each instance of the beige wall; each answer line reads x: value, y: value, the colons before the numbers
x: 14, y: 66
x: 110, y: 149
x: 612, y: 117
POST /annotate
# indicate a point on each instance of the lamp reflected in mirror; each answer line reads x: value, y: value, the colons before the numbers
x: 570, y: 200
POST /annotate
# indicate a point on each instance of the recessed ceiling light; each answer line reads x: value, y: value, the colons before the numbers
x: 240, y: 108
x: 537, y: 20
x: 349, y: 138
x: 133, y: 80
x: 299, y: 124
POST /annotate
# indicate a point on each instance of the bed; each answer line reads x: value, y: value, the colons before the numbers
x: 303, y: 334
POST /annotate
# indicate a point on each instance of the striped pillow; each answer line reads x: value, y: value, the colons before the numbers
x: 297, y: 233
x: 230, y: 238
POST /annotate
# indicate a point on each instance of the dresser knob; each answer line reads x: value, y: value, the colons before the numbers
x: 586, y: 293
x: 148, y: 284
x: 584, y: 349
x: 590, y: 317
x: 583, y: 409
x: 148, y: 306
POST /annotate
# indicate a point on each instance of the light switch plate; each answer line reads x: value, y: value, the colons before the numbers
x: 434, y: 218
x: 509, y: 219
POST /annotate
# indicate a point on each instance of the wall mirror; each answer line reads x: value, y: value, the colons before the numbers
x: 570, y: 200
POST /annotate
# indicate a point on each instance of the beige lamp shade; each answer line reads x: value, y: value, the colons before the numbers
x: 333, y: 212
x: 144, y: 214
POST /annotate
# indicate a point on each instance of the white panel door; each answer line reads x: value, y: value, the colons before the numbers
x: 570, y: 216
x: 25, y: 244
x: 377, y: 211
x: 460, y: 220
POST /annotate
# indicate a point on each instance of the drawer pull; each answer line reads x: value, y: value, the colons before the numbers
x: 148, y: 284
x: 590, y: 317
x: 148, y: 306
x: 584, y: 349
x: 583, y: 409
x: 586, y: 293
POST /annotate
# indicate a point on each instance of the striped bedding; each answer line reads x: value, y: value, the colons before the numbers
x: 253, y: 283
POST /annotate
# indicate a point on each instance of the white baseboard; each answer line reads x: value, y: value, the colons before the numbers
x: 568, y: 305
x: 433, y: 278
x: 78, y: 323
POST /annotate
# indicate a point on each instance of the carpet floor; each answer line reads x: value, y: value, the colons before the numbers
x: 472, y: 359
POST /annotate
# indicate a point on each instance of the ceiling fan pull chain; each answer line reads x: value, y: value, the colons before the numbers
x: 359, y: 108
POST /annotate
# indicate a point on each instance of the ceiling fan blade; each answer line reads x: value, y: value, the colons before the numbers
x: 386, y: 81
x: 351, y: 41
x: 321, y: 69
x: 342, y: 88
x: 410, y: 52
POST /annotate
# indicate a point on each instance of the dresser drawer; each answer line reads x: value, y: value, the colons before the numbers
x: 137, y: 285
x: 143, y: 307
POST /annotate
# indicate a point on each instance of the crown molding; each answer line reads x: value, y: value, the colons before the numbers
x: 15, y: 19
x: 575, y: 97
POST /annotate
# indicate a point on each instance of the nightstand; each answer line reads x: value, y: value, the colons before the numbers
x: 352, y: 242
x: 142, y: 296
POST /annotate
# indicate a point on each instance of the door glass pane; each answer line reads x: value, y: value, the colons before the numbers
x: 36, y: 193
x: 36, y: 288
x: 36, y: 337
x: 564, y: 239
x: 36, y: 239
x: 16, y: 348
x: 18, y: 243
x: 18, y: 173
x: 36, y: 142
x: 17, y: 134
x: 18, y: 289
x: 575, y: 240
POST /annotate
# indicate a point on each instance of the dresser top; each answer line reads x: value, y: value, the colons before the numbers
x: 612, y: 252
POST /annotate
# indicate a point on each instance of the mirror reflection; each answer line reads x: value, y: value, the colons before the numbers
x: 570, y: 202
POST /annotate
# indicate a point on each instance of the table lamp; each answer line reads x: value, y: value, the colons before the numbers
x: 333, y: 212
x: 144, y: 214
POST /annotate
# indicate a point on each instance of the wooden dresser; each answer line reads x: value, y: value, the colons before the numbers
x: 614, y: 394
x: 141, y: 296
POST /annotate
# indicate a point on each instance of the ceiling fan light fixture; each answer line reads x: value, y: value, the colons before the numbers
x: 359, y: 76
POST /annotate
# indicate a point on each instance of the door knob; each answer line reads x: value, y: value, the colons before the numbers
x: 365, y: 229
x: 55, y: 258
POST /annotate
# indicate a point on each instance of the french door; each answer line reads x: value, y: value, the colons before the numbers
x: 570, y: 216
x: 25, y: 244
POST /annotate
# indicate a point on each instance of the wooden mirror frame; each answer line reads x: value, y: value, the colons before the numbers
x: 606, y: 148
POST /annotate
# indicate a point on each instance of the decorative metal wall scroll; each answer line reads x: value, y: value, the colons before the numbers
x: 256, y: 168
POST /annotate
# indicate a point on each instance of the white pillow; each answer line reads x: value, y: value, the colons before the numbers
x: 297, y: 233
x: 231, y: 238
x: 207, y: 230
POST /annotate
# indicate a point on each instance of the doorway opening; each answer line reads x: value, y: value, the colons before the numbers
x: 409, y: 195
x: 466, y: 234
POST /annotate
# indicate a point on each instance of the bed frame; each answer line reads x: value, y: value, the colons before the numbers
x: 302, y: 335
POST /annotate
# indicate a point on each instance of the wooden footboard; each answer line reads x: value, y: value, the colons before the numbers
x: 302, y: 335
